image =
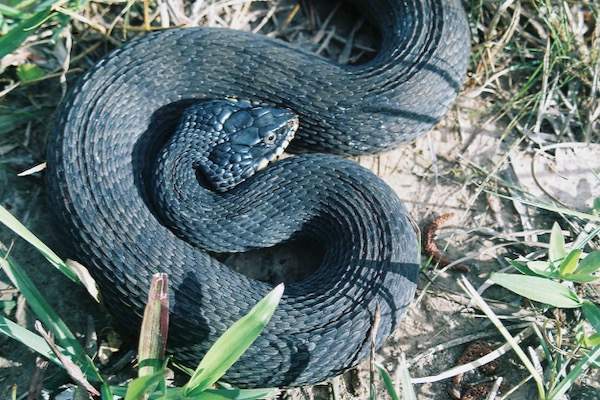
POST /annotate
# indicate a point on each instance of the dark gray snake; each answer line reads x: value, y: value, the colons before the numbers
x: 110, y: 128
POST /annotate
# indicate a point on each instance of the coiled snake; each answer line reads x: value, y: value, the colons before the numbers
x: 110, y: 129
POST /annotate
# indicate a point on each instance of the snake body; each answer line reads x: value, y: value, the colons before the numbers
x: 112, y: 125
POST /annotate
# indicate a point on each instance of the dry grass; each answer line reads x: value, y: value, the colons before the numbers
x: 533, y: 83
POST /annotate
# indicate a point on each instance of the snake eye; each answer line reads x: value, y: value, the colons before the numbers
x: 269, y: 138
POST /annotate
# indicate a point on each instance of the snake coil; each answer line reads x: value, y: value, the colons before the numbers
x: 112, y: 125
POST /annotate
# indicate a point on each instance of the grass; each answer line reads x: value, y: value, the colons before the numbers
x: 540, y: 60
x: 60, y: 345
x: 534, y: 80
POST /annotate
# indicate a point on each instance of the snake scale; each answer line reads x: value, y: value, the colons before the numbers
x: 110, y: 128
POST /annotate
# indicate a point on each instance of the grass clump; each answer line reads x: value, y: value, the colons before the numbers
x: 540, y: 60
x: 60, y: 346
x: 568, y: 350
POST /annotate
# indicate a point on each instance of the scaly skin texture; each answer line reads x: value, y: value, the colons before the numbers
x: 110, y: 128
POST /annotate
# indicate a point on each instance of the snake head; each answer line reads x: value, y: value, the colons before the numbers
x: 236, y: 139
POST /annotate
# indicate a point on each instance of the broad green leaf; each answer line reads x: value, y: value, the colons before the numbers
x: 387, y: 381
x: 233, y: 343
x: 140, y: 387
x: 539, y: 289
x: 581, y: 278
x: 17, y: 35
x: 557, y: 250
x: 589, y: 265
x: 17, y: 227
x: 592, y: 314
x: 29, y: 72
x: 30, y: 339
x: 542, y: 268
x: 568, y: 265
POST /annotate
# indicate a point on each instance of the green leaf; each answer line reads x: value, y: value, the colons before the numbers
x: 553, y: 208
x: 592, y: 314
x: 30, y: 339
x: 543, y: 269
x: 539, y: 289
x: 592, y: 340
x: 577, y: 372
x: 521, y: 268
x: 408, y: 390
x: 589, y: 265
x: 17, y: 227
x: 29, y: 72
x: 140, y: 387
x: 49, y: 318
x: 12, y: 12
x: 244, y: 394
x: 17, y: 35
x: 581, y: 278
x: 557, y: 250
x: 568, y: 265
x: 387, y: 381
x: 233, y: 343
x: 10, y: 122
x: 206, y: 395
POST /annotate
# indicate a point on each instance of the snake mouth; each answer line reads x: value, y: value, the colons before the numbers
x: 278, y: 152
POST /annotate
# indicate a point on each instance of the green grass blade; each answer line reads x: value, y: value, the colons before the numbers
x: 564, y: 385
x: 233, y: 343
x: 139, y: 388
x: 569, y: 264
x: 552, y: 208
x: 17, y: 227
x: 9, y: 122
x: 207, y: 396
x: 589, y: 265
x: 580, y: 278
x: 539, y: 289
x: 543, y: 268
x: 17, y: 35
x: 12, y: 12
x: 514, y: 344
x: 244, y: 394
x: 387, y: 381
x: 521, y: 268
x: 49, y: 318
x: 408, y: 389
x: 32, y: 340
x: 557, y: 251
x: 592, y: 314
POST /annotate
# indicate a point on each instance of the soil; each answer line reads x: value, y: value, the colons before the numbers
x: 459, y: 167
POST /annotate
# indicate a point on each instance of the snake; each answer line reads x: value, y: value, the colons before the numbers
x: 113, y: 127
